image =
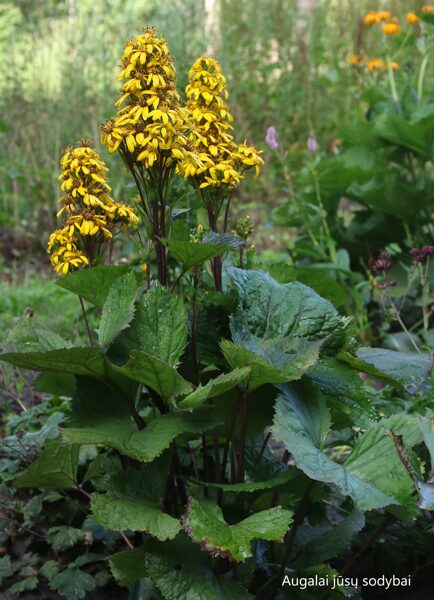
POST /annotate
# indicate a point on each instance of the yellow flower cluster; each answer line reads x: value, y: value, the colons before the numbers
x: 90, y: 210
x: 215, y: 159
x: 391, y: 25
x: 149, y: 127
x: 372, y: 64
x: 373, y: 18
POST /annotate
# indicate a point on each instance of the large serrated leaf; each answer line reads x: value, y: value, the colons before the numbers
x: 27, y: 336
x: 100, y: 415
x: 55, y: 467
x: 410, y: 369
x: 182, y: 572
x: 215, y: 387
x: 159, y: 327
x: 317, y: 544
x: 155, y: 374
x: 301, y: 422
x: 261, y: 372
x: 94, y: 284
x: 118, y: 308
x: 271, y: 310
x: 205, y: 524
x: 77, y: 361
x: 128, y: 566
x: 116, y: 512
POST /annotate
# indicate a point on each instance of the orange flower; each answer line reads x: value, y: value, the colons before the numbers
x: 427, y: 9
x: 383, y: 16
x: 356, y: 59
x: 394, y: 65
x: 376, y: 64
x: 370, y: 19
x: 391, y: 28
x: 412, y: 18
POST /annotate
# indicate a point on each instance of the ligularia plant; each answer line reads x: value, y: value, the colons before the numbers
x: 218, y: 430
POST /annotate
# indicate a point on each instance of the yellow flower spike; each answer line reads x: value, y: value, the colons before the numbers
x: 150, y: 122
x: 91, y: 213
x: 222, y: 161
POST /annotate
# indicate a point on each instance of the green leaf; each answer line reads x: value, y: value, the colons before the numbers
x: 28, y: 337
x: 339, y: 381
x: 121, y: 512
x: 73, y: 583
x: 411, y: 369
x: 426, y: 495
x: 191, y: 254
x: 301, y: 422
x: 365, y: 367
x: 62, y: 537
x: 155, y: 374
x: 56, y: 383
x: 324, y: 285
x: 260, y: 371
x: 316, y: 545
x: 94, y: 284
x: 55, y: 467
x: 182, y: 572
x: 7, y: 568
x: 270, y: 310
x: 215, y: 387
x: 100, y: 415
x: 205, y: 524
x: 78, y: 361
x: 375, y: 459
x: 253, y: 486
x: 397, y: 130
x: 292, y: 357
x: 427, y: 429
x: 159, y: 327
x: 24, y: 585
x: 128, y: 566
x: 118, y: 309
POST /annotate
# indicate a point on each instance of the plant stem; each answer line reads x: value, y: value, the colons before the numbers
x: 86, y: 321
x: 243, y: 435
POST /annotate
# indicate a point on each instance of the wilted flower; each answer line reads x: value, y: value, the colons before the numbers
x: 383, y: 263
x: 312, y: 144
x: 271, y: 138
x: 420, y: 254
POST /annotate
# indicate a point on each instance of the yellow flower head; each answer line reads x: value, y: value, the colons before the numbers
x: 150, y: 124
x: 394, y: 65
x: 391, y: 28
x: 412, y: 18
x: 427, y: 9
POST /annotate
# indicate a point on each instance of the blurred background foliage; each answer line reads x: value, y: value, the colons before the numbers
x: 286, y: 62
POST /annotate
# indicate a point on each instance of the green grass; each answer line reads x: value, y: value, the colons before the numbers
x: 50, y: 305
